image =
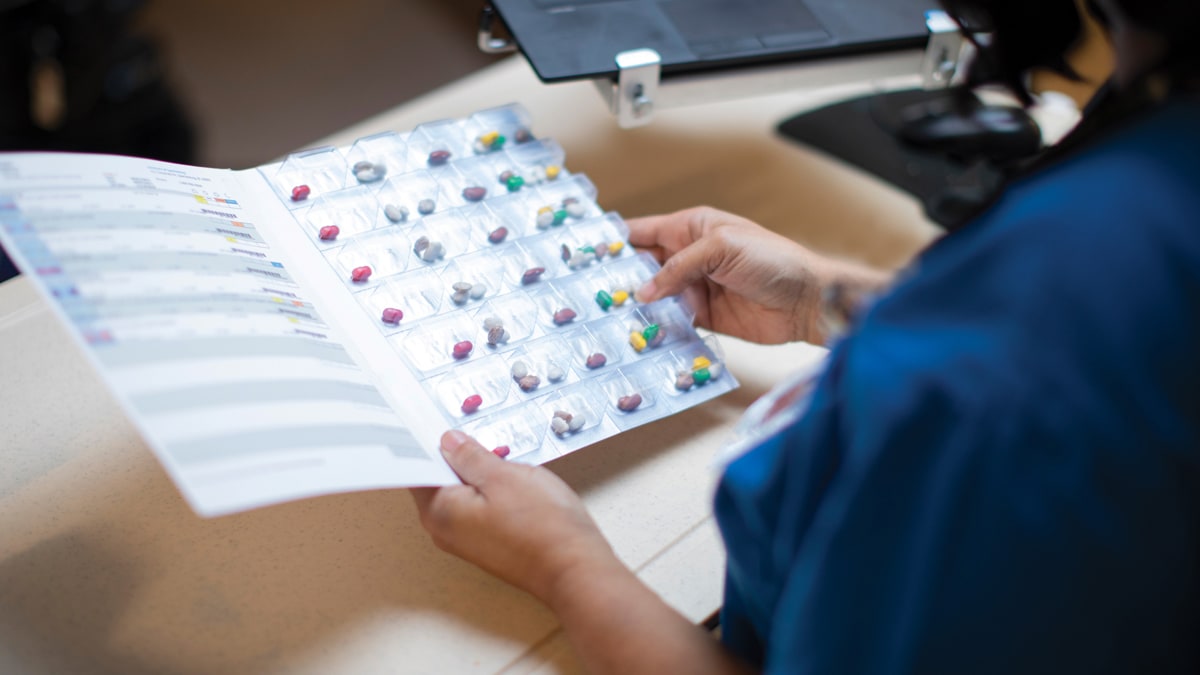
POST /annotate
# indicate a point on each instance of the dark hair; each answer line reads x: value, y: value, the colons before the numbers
x: 1028, y: 34
x: 1021, y: 35
x: 1176, y: 21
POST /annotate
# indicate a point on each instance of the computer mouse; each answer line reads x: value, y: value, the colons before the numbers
x: 993, y: 132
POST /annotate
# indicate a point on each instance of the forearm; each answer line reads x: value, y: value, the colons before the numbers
x: 618, y: 625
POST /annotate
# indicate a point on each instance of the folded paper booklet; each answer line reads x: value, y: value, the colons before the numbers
x: 313, y: 326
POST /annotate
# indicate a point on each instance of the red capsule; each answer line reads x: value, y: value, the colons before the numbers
x: 629, y: 403
x: 463, y: 349
x: 439, y: 157
x: 498, y: 235
x: 502, y: 452
x: 360, y: 274
x: 392, y: 315
x: 472, y: 403
x: 300, y: 193
x: 330, y: 232
x: 533, y: 274
x: 474, y: 193
x: 596, y: 360
x: 564, y: 316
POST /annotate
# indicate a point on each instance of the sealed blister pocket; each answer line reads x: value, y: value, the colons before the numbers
x: 410, y: 197
x: 372, y: 158
x: 437, y: 145
x: 632, y: 394
x: 563, y: 202
x: 404, y: 300
x: 495, y: 129
x: 370, y: 257
x: 538, y: 161
x: 658, y: 325
x: 540, y: 365
x: 562, y: 302
x: 341, y: 215
x: 307, y: 175
x: 507, y: 321
x: 518, y: 434
x: 596, y: 346
x: 475, y: 389
x: 471, y: 279
x: 576, y: 416
x: 441, y: 237
x: 439, y: 342
x: 693, y: 366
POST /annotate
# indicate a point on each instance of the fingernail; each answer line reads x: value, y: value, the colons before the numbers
x: 646, y: 293
x: 453, y: 440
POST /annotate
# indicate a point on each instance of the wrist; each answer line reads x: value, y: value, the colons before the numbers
x: 840, y: 290
x: 579, y: 577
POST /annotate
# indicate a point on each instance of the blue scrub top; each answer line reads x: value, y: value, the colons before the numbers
x: 1000, y: 470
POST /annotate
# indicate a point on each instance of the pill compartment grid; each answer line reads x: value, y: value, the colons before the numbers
x: 523, y: 268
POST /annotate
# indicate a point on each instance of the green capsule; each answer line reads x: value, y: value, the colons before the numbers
x: 499, y: 142
x: 515, y: 183
x: 560, y: 217
x: 588, y: 249
x: 651, y: 332
x: 604, y: 300
x: 701, y: 376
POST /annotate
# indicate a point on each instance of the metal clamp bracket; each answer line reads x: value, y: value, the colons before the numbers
x: 487, y: 40
x: 632, y: 97
x: 946, y: 53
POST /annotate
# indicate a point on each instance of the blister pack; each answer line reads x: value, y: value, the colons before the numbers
x: 507, y: 291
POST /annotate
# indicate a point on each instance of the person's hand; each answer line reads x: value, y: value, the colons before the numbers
x: 742, y: 279
x: 520, y: 523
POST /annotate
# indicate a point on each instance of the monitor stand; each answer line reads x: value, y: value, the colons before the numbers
x: 862, y: 132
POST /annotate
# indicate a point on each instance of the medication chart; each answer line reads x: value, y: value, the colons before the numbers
x: 312, y: 326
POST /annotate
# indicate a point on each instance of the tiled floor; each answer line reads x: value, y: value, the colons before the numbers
x: 263, y: 78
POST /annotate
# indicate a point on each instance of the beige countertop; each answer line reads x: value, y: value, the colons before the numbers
x: 104, y: 568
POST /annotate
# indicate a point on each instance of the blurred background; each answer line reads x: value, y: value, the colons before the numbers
x: 224, y: 83
x: 238, y: 83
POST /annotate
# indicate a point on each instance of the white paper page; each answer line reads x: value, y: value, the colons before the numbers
x: 180, y: 286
